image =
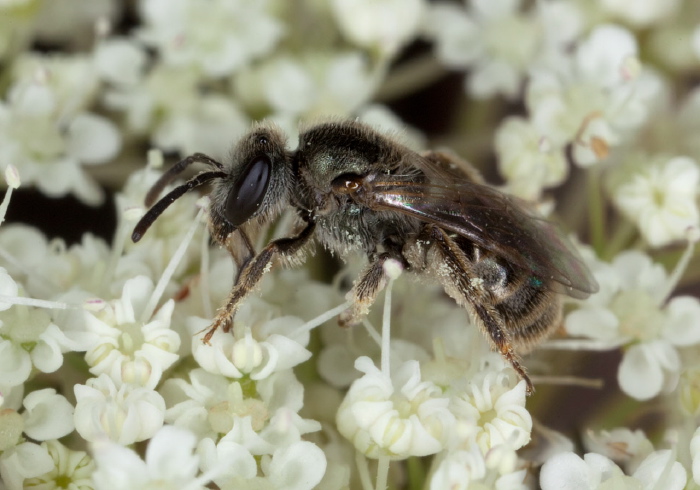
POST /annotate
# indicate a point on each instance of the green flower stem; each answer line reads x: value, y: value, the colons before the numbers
x: 411, y: 76
x: 596, y: 211
x: 416, y: 473
x: 623, y: 233
x: 382, y: 472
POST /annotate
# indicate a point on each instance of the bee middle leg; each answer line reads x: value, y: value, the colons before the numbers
x: 251, y: 273
x: 364, y: 292
x: 470, y: 293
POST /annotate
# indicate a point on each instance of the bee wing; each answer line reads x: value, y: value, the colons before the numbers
x: 489, y: 218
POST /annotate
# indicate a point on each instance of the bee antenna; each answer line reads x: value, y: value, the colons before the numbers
x: 147, y: 220
x: 173, y: 171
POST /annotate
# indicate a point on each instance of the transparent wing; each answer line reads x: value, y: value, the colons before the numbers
x: 489, y: 218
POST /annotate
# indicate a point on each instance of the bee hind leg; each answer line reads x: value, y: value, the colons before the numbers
x: 466, y: 287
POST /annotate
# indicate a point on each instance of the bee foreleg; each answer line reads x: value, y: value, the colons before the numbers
x: 241, y: 250
x: 466, y: 287
x: 251, y: 273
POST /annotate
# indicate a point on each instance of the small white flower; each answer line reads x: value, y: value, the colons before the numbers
x: 127, y: 348
x: 465, y: 469
x: 71, y: 469
x: 281, y: 390
x: 27, y: 245
x: 527, y: 159
x: 594, y: 98
x: 496, y: 412
x: 661, y: 470
x: 29, y: 339
x: 24, y: 461
x: 311, y: 85
x: 259, y: 346
x: 662, y: 200
x: 46, y: 417
x: 298, y: 466
x: 209, y: 404
x: 384, y: 26
x: 71, y: 80
x: 629, y: 311
x: 218, y: 39
x: 497, y: 41
x: 51, y: 270
x: 237, y: 461
x: 396, y: 417
x: 210, y: 126
x: 242, y: 433
x: 458, y: 470
x: 286, y: 427
x: 124, y: 414
x: 622, y: 445
x: 166, y: 105
x: 120, y: 61
x: 568, y: 471
x: 49, y: 143
x: 169, y: 463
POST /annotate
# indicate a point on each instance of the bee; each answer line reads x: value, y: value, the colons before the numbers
x: 356, y: 189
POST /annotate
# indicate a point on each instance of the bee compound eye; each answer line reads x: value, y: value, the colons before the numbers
x: 248, y: 192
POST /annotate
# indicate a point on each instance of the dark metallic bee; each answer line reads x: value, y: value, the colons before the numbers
x: 356, y: 189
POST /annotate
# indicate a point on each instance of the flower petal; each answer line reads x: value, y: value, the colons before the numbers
x: 639, y: 374
x: 299, y: 466
x: 93, y: 139
x: 47, y: 415
x: 654, y: 471
x: 567, y: 471
x: 683, y: 320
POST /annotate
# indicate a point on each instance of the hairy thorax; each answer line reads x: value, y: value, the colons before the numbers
x: 351, y: 228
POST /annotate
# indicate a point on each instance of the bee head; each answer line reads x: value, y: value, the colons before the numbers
x: 257, y: 181
x: 254, y: 185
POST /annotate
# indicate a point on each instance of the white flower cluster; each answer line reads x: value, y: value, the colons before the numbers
x: 443, y: 393
x: 633, y: 311
x: 588, y: 108
x: 588, y: 95
x: 47, y: 132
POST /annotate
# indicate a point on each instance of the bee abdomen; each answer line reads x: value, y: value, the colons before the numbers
x: 530, y: 314
x: 528, y: 307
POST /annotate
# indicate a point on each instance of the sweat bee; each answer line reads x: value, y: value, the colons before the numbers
x: 355, y: 189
